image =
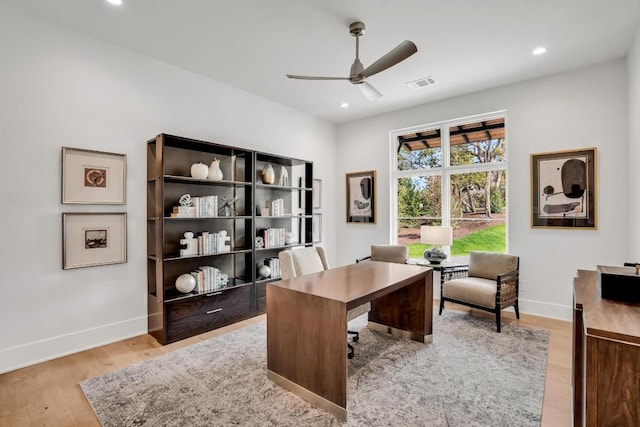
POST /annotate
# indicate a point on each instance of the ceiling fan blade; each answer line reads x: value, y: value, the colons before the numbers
x: 391, y: 58
x: 370, y: 92
x: 293, y: 76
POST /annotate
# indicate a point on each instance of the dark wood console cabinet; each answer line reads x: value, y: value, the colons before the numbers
x: 173, y: 315
x: 606, y: 357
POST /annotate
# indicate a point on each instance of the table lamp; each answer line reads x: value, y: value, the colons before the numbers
x: 436, y: 236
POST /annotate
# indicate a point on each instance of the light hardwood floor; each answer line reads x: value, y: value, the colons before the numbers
x: 48, y: 394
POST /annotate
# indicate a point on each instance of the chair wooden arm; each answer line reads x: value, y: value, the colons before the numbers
x: 507, y: 288
x: 450, y: 273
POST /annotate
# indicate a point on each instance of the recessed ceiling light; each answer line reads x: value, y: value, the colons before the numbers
x: 116, y: 2
x: 539, y: 50
x: 344, y: 105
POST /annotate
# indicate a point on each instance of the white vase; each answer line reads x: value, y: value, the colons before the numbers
x: 268, y: 174
x: 199, y: 170
x: 215, y: 173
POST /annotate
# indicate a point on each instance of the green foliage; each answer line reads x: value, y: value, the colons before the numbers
x: 490, y: 239
x: 497, y: 202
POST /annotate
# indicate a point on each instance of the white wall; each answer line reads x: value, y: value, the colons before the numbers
x: 59, y: 88
x: 582, y: 108
x: 633, y: 67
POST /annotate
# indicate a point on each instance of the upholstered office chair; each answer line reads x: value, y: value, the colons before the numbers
x: 490, y: 283
x: 388, y: 253
x: 294, y: 263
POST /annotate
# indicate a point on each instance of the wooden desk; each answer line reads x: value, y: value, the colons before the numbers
x: 606, y: 357
x: 307, y: 323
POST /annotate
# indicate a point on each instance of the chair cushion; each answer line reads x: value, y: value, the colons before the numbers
x: 474, y: 290
x: 307, y: 261
x: 488, y: 264
x: 389, y: 253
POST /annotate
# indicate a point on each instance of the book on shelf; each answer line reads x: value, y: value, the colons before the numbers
x: 208, y: 279
x: 276, y: 207
x: 274, y: 265
x: 202, y: 207
x: 273, y: 237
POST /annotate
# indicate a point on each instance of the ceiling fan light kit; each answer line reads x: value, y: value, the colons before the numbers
x: 358, y: 73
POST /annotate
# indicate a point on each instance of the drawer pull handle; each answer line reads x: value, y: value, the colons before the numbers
x: 213, y: 294
x: 214, y: 311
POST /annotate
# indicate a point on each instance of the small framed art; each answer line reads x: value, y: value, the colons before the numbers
x: 563, y: 189
x: 93, y: 177
x: 92, y: 239
x: 361, y: 197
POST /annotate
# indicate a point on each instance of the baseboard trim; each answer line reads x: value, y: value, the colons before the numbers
x: 536, y: 308
x: 28, y: 354
x: 545, y: 309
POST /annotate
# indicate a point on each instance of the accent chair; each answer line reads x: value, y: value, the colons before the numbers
x: 388, y: 253
x: 490, y: 282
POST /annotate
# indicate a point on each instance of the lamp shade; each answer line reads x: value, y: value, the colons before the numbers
x: 436, y: 235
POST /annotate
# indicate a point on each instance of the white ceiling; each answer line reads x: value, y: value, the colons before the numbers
x: 466, y: 45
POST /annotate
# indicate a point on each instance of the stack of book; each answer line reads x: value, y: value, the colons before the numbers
x: 276, y: 207
x: 202, y: 207
x: 274, y: 265
x: 206, y: 243
x: 207, y: 279
x: 273, y: 237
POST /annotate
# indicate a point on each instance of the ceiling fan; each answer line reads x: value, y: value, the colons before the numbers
x: 358, y: 73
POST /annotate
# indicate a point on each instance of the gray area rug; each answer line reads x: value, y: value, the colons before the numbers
x: 469, y: 376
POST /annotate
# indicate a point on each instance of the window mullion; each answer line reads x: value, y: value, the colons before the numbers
x: 445, y: 196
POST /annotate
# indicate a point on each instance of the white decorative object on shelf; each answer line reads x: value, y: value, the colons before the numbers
x: 289, y: 238
x: 192, y: 245
x: 284, y: 177
x: 215, y: 173
x: 264, y: 272
x: 259, y: 242
x: 222, y: 242
x: 268, y: 174
x: 199, y: 170
x: 185, y: 283
x: 185, y: 200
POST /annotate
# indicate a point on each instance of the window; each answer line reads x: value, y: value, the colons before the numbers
x: 451, y: 173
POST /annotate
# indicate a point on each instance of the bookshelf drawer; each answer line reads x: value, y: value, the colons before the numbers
x: 208, y: 304
x: 202, y: 322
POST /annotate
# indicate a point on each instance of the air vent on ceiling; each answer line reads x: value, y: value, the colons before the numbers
x: 423, y: 82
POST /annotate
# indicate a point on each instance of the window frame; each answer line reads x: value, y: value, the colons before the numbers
x: 446, y: 170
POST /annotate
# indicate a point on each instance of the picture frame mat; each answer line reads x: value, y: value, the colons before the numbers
x: 78, y: 228
x: 77, y: 167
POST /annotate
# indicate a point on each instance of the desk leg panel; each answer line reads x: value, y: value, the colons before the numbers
x: 408, y: 309
x: 306, y: 343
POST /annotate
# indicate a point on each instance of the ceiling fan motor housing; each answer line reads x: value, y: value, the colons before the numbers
x: 356, y: 29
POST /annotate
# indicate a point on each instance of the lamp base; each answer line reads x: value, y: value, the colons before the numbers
x: 434, y: 256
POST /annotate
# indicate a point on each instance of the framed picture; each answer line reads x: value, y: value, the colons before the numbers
x: 316, y: 228
x: 563, y: 189
x: 317, y: 193
x: 93, y: 177
x: 91, y: 239
x: 361, y: 197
